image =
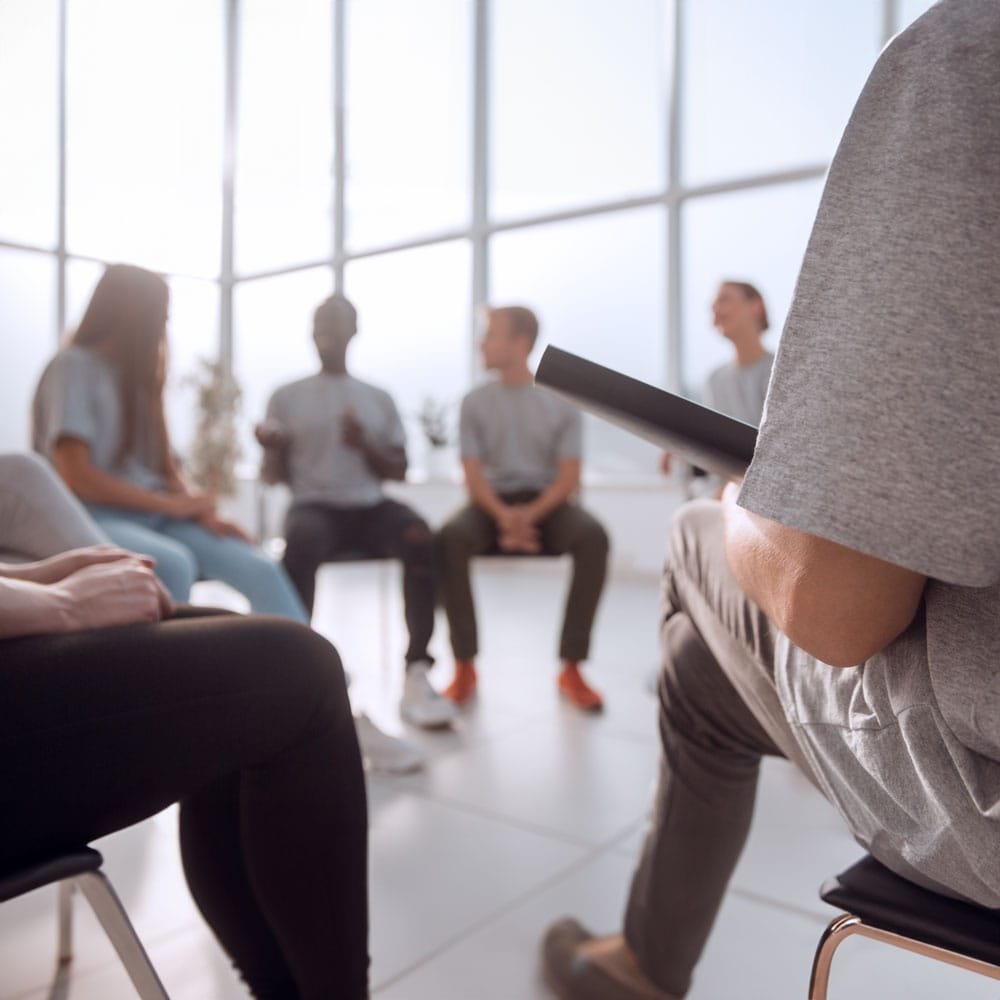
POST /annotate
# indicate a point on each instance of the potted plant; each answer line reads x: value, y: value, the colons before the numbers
x: 216, y: 447
x: 433, y: 419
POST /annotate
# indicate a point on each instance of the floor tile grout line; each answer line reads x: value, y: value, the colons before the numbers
x: 522, y: 826
x: 537, y: 889
x: 782, y: 906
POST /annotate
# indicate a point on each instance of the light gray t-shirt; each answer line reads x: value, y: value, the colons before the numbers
x: 322, y: 469
x: 519, y: 433
x: 78, y: 396
x: 882, y: 432
x: 739, y: 390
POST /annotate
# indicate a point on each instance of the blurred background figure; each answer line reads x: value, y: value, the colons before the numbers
x: 98, y: 416
x: 334, y: 440
x: 521, y: 452
x: 737, y: 388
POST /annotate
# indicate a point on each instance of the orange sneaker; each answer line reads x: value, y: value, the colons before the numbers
x: 577, y: 691
x: 463, y: 687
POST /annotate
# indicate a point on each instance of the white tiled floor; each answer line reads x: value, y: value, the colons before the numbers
x: 526, y: 812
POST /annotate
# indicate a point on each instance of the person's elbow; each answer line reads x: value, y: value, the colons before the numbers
x: 840, y: 633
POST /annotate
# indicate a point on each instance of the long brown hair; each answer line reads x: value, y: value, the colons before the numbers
x: 126, y: 322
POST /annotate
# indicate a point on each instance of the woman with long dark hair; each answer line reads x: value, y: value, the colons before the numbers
x: 98, y: 416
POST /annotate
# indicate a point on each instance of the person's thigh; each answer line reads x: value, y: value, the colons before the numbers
x: 698, y: 581
x: 469, y: 531
x: 569, y: 527
x: 241, y: 565
x: 390, y: 527
x: 100, y: 729
x: 176, y: 565
x: 315, y: 532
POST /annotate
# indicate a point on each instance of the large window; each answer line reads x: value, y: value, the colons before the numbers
x: 29, y: 166
x: 144, y: 130
x: 769, y: 86
x: 284, y: 131
x: 27, y: 309
x: 408, y: 106
x: 414, y: 341
x: 759, y: 235
x: 578, y: 99
x: 604, y: 162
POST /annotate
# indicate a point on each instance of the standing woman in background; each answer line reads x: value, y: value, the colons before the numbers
x: 98, y: 416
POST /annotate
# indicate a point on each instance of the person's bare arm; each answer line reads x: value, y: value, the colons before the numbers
x: 63, y: 564
x: 122, y: 592
x: 71, y: 458
x: 387, y: 463
x: 840, y: 605
x: 275, y: 443
x: 481, y: 493
x: 565, y: 485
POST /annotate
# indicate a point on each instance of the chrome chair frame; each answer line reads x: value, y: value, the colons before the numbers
x: 920, y: 903
x: 82, y: 870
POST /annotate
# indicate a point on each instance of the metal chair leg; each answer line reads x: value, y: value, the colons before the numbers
x: 847, y: 924
x: 836, y: 932
x: 109, y: 911
x: 65, y: 944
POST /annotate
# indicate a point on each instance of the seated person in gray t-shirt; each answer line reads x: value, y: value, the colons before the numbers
x: 334, y: 439
x: 521, y: 455
x: 842, y: 608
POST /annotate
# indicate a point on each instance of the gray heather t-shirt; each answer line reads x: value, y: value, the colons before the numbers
x: 322, y: 468
x: 739, y: 390
x: 519, y: 433
x: 78, y: 396
x: 882, y: 432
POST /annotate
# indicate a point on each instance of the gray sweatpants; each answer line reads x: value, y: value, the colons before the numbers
x: 719, y: 714
x: 39, y: 517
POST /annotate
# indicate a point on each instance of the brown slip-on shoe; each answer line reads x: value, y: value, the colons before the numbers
x: 575, y: 976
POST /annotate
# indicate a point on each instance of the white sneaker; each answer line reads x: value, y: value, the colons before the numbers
x: 385, y: 753
x: 421, y: 705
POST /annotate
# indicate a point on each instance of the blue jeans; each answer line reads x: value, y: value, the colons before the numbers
x: 185, y: 552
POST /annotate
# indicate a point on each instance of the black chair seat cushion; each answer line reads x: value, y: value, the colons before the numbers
x: 884, y: 900
x: 24, y: 878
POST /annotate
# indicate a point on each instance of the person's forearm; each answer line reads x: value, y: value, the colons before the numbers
x: 274, y: 465
x: 93, y: 485
x: 28, y: 608
x: 482, y: 494
x: 385, y: 464
x: 174, y: 480
x: 548, y: 500
x: 17, y: 571
x: 565, y: 485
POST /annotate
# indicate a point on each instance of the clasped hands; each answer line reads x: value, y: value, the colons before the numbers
x: 189, y: 506
x: 95, y: 587
x: 517, y: 531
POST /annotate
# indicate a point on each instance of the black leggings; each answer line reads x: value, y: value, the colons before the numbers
x: 246, y: 722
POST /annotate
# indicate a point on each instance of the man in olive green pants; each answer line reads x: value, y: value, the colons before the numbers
x: 521, y: 455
